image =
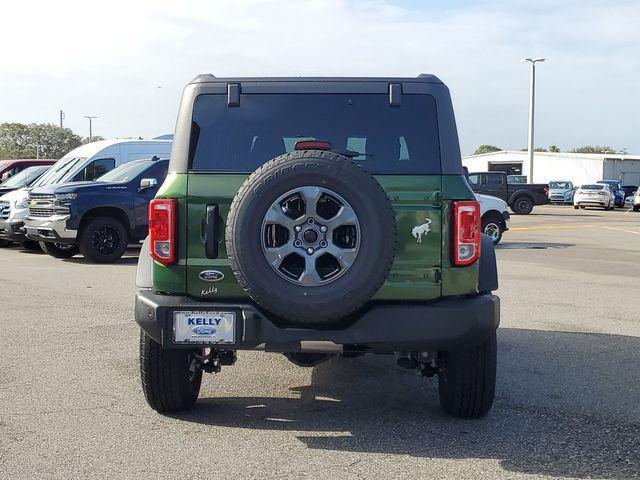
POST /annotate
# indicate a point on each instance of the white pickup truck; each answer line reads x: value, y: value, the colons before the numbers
x: 495, y: 215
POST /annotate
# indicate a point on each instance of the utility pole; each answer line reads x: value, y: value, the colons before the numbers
x: 532, y: 100
x: 61, y: 118
x: 90, y: 117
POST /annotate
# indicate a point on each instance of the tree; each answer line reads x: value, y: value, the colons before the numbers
x: 44, y: 140
x: 486, y: 149
x: 593, y: 149
x: 95, y: 138
x: 554, y: 149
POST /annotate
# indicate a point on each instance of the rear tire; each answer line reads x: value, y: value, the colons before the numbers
x: 170, y: 381
x: 59, y: 250
x: 467, y: 379
x: 4, y: 243
x: 636, y: 208
x: 103, y: 240
x: 522, y: 205
x: 576, y: 207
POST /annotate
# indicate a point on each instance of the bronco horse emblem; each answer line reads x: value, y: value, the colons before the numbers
x: 420, y: 230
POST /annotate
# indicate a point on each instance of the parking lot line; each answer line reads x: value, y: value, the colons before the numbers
x: 551, y: 227
x: 622, y: 230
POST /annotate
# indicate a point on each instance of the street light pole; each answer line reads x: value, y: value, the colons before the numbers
x: 90, y: 130
x: 532, y: 102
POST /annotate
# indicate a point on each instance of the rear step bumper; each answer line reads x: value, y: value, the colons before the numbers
x: 447, y: 324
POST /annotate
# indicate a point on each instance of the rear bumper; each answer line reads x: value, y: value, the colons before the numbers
x: 448, y: 324
x: 50, y: 229
x: 12, y: 230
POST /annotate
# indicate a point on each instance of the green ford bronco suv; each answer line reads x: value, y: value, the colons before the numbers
x: 317, y: 217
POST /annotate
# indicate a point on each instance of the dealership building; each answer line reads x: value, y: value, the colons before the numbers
x: 580, y: 168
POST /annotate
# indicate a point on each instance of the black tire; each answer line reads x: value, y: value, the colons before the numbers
x: 636, y: 208
x: 4, y: 243
x: 167, y: 382
x: 522, y: 205
x: 467, y: 379
x: 576, y: 207
x: 30, y: 245
x: 492, y: 226
x: 103, y: 240
x: 59, y: 250
x: 318, y: 304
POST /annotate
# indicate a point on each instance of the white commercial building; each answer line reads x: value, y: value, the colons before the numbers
x: 580, y: 168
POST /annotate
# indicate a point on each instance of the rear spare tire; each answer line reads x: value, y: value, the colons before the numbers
x: 311, y: 236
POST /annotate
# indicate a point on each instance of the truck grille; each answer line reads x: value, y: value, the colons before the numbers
x: 4, y: 210
x: 42, y: 196
x: 41, y: 212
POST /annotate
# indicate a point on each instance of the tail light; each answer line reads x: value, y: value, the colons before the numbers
x: 162, y: 229
x: 466, y: 232
x: 602, y: 193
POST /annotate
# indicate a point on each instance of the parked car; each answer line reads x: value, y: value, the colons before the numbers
x: 9, y: 168
x: 521, y: 197
x: 617, y: 191
x: 561, y: 191
x: 636, y: 201
x: 494, y: 216
x: 594, y: 195
x: 98, y: 219
x: 286, y: 244
x: 23, y: 179
x: 84, y: 163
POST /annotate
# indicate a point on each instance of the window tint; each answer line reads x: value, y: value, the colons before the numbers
x: 495, y: 179
x: 95, y: 169
x: 384, y: 139
x: 25, y: 177
x: 474, y: 180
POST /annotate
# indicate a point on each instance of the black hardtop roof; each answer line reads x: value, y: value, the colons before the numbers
x: 422, y: 78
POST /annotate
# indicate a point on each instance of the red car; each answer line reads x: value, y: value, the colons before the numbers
x: 8, y: 168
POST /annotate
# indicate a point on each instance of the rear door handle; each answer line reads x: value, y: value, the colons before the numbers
x: 211, y: 230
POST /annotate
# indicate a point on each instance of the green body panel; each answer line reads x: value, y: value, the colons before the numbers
x: 421, y: 271
x: 171, y: 278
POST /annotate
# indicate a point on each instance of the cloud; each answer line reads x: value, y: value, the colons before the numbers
x: 109, y: 58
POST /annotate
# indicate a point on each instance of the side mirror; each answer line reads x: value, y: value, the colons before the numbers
x: 147, y: 183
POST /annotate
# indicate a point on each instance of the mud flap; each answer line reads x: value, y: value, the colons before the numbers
x: 488, y: 278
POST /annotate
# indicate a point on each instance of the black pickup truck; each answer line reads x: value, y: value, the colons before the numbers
x: 521, y: 197
x: 99, y: 218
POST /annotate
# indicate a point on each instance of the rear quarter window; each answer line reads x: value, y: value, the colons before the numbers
x: 383, y: 139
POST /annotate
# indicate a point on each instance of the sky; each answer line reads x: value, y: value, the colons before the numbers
x: 126, y: 62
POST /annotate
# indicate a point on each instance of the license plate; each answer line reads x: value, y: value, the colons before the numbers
x: 204, y: 327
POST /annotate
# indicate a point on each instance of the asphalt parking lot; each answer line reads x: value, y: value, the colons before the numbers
x: 567, y: 401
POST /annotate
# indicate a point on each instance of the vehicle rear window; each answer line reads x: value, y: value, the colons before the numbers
x: 592, y: 187
x: 384, y: 139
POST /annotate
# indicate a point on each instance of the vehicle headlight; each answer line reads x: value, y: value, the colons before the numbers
x: 64, y: 197
x: 22, y: 203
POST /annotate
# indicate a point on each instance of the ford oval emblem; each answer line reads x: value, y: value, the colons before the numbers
x: 203, y: 330
x: 211, y: 276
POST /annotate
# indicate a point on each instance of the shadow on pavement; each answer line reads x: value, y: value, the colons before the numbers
x: 567, y: 406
